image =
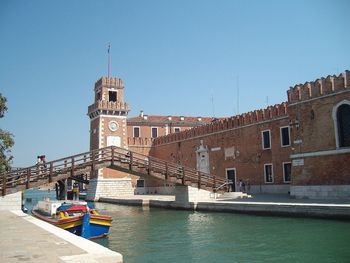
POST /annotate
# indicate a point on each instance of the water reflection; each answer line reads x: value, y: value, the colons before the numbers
x: 159, y: 235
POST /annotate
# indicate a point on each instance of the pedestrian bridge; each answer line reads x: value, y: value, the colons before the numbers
x: 109, y: 157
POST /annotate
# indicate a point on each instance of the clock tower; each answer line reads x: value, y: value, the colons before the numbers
x: 108, y: 127
x: 108, y: 114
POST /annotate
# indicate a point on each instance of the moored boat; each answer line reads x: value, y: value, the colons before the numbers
x: 79, y: 218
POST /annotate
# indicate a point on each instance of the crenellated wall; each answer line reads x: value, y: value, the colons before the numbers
x: 104, y: 81
x: 245, y: 119
x: 320, y: 87
x: 310, y: 115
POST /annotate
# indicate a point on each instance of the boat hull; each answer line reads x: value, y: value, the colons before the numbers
x: 99, y: 225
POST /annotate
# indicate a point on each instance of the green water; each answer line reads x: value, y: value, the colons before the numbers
x: 158, y: 235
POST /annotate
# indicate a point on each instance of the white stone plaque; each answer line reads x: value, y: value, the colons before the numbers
x: 230, y: 153
x: 298, y: 162
x: 113, y: 141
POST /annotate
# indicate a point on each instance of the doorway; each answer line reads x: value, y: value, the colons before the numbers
x: 231, y: 177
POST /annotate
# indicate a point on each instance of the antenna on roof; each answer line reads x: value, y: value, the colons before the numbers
x: 267, y: 101
x: 237, y: 94
x: 109, y: 58
x: 212, y: 104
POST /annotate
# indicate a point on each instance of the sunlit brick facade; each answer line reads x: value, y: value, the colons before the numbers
x: 301, y: 146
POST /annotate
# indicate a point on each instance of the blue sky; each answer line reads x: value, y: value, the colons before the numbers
x: 183, y: 57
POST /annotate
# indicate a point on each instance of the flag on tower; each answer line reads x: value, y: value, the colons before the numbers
x: 109, y: 59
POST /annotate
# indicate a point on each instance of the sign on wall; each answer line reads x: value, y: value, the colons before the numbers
x: 298, y: 162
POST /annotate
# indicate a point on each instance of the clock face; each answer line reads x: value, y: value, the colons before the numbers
x: 113, y: 126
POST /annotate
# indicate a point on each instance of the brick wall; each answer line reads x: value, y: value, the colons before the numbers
x: 312, y: 107
x: 240, y: 134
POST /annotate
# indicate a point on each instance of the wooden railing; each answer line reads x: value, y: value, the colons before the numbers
x: 111, y: 157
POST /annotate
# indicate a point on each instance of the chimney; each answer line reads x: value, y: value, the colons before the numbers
x: 141, y: 113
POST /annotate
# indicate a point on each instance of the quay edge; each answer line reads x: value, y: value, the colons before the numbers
x: 39, y: 240
x: 290, y: 209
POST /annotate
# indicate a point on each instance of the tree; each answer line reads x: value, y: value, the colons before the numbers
x: 6, y: 140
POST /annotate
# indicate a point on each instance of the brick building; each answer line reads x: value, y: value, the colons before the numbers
x: 109, y: 126
x: 299, y: 147
x: 143, y: 129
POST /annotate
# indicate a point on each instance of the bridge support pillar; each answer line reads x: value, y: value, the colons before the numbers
x: 189, y: 196
x: 109, y: 188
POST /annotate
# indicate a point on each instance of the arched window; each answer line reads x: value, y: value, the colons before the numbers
x: 343, y: 125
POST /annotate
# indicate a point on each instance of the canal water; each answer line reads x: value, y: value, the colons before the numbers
x: 159, y: 235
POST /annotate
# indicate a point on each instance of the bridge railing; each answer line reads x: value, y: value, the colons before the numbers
x: 116, y: 156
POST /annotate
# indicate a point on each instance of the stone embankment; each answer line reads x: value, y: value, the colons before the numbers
x: 272, y: 205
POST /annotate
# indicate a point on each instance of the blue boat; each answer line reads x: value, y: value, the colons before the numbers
x: 78, y: 218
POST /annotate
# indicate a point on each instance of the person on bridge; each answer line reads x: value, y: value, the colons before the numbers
x: 76, y: 191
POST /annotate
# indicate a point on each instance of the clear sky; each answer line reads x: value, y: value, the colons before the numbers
x: 180, y: 57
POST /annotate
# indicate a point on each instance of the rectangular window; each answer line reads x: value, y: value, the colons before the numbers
x: 266, y: 139
x: 287, y: 172
x: 140, y: 183
x: 285, y: 138
x: 268, y: 173
x: 154, y: 132
x: 177, y: 129
x: 112, y: 96
x: 136, y: 132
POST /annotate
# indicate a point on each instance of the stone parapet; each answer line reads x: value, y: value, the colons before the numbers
x: 245, y: 119
x: 319, y: 87
x: 109, y: 188
x: 110, y: 82
x: 108, y: 105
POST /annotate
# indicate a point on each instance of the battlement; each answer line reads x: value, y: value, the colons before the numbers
x: 253, y: 117
x: 110, y: 82
x: 319, y: 87
x: 132, y: 141
x: 108, y: 105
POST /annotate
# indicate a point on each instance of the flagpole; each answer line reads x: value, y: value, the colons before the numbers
x: 109, y: 60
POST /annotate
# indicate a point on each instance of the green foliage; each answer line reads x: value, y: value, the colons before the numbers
x: 3, y: 107
x: 6, y: 140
